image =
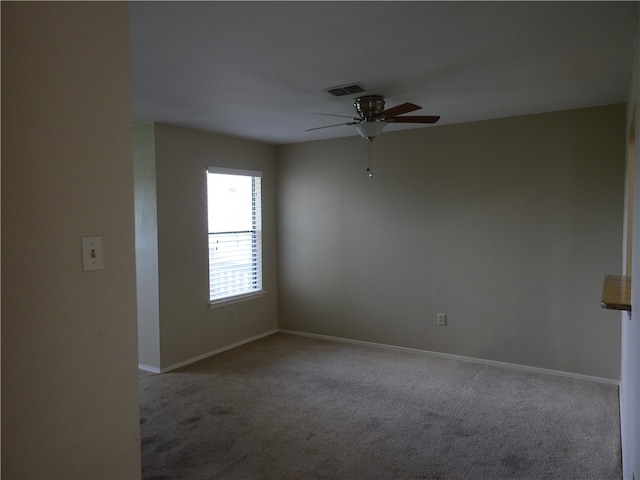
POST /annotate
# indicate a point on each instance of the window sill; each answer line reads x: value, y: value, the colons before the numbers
x: 237, y: 299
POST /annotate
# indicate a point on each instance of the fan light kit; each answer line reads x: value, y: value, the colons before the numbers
x: 372, y: 118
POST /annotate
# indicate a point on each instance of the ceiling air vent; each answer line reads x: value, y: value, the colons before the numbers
x: 342, y: 90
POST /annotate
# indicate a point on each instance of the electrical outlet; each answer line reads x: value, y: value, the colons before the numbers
x: 442, y: 319
x: 232, y: 313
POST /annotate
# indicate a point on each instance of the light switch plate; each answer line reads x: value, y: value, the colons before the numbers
x: 92, y: 255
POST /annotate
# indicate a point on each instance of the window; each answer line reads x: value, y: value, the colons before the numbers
x: 235, y: 234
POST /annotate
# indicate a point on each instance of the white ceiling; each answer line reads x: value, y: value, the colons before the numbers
x: 258, y: 70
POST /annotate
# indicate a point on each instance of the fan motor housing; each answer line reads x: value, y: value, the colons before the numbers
x: 370, y: 106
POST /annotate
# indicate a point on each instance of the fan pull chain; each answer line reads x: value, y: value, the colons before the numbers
x: 370, y: 159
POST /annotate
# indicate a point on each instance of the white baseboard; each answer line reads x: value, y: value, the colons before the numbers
x: 148, y: 368
x: 206, y: 355
x: 494, y: 363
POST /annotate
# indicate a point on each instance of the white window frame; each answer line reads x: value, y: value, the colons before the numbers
x: 253, y: 284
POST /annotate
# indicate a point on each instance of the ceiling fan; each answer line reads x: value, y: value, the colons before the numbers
x: 372, y: 116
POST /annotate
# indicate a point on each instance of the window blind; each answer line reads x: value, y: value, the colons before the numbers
x: 235, y: 233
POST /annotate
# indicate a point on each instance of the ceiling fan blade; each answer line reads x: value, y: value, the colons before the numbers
x: 341, y: 116
x: 415, y: 119
x: 329, y: 126
x: 400, y: 109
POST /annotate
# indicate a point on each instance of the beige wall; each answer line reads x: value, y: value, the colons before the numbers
x: 188, y: 328
x: 508, y: 226
x: 69, y: 378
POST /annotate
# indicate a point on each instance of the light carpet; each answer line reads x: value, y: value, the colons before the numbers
x: 290, y: 407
